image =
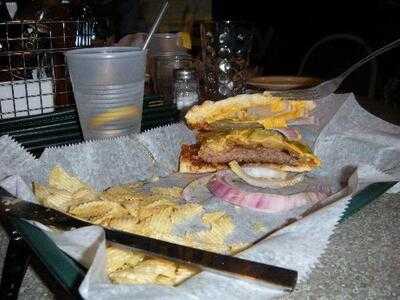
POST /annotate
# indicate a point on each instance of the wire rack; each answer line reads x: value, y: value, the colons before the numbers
x: 33, y: 74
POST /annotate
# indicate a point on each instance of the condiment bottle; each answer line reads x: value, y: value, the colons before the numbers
x: 186, y: 89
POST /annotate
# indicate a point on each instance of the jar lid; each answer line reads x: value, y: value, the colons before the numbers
x: 184, y: 73
x: 169, y: 54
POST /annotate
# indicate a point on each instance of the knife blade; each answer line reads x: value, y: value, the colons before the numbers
x: 268, y: 275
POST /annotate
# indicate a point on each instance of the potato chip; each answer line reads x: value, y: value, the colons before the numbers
x: 259, y: 227
x: 236, y: 248
x: 164, y: 280
x: 160, y: 222
x: 209, y: 218
x: 99, y: 208
x: 101, y: 220
x: 157, y: 265
x: 120, y: 194
x: 59, y: 199
x: 130, y: 276
x: 206, y: 242
x: 174, y: 192
x: 132, y: 208
x: 134, y: 258
x: 160, y: 202
x: 186, y: 211
x: 183, y: 273
x: 134, y: 185
x: 128, y: 224
x: 152, y: 214
x: 116, y: 258
x: 221, y: 227
x: 149, y: 211
x: 60, y: 179
x: 84, y: 194
x: 219, y: 221
x: 41, y: 192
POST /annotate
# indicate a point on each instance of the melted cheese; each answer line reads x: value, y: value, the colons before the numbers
x: 270, y: 112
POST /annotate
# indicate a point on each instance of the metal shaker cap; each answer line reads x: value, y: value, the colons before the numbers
x: 184, y: 74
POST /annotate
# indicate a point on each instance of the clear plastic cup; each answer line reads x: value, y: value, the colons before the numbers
x: 108, y: 86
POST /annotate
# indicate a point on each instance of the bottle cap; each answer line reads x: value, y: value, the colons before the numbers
x: 184, y: 74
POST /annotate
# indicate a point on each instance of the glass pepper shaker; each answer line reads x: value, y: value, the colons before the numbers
x: 186, y: 89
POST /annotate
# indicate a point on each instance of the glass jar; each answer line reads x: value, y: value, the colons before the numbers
x: 186, y: 89
x: 165, y: 66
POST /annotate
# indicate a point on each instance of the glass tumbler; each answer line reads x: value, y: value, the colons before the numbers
x: 226, y: 47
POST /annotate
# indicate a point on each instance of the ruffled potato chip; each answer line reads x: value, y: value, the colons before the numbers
x: 84, y: 194
x: 149, y: 211
x: 60, y: 179
x: 43, y: 192
x: 130, y: 276
x: 152, y: 214
x: 59, y: 199
x: 164, y: 280
x: 153, y: 270
x: 186, y: 211
x: 259, y: 227
x: 174, y: 192
x: 99, y: 209
x: 158, y: 266
x: 134, y: 258
x: 134, y: 185
x: 221, y: 227
x: 116, y: 258
x: 120, y: 194
x: 128, y: 224
x: 236, y: 248
x: 158, y: 223
x: 183, y: 273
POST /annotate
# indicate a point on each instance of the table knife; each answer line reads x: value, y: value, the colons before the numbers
x: 268, y: 275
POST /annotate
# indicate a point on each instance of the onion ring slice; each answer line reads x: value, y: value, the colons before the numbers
x: 264, y: 182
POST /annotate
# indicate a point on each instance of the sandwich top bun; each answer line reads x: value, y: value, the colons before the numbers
x: 262, y: 109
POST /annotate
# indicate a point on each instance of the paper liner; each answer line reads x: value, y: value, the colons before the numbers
x: 102, y: 163
x: 15, y: 160
x: 164, y: 143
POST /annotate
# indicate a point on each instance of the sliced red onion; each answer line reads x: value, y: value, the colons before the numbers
x: 292, y: 134
x: 222, y: 187
x: 264, y: 182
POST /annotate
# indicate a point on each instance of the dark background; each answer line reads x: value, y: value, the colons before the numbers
x: 286, y: 30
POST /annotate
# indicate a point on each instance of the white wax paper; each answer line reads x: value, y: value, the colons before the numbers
x: 349, y: 141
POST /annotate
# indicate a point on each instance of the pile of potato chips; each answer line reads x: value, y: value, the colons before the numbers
x: 151, y: 213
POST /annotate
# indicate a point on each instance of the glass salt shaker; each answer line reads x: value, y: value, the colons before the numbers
x: 186, y: 90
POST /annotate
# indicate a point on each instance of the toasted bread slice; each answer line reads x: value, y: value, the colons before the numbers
x: 189, y: 162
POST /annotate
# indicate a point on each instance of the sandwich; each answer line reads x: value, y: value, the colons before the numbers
x: 251, y: 134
